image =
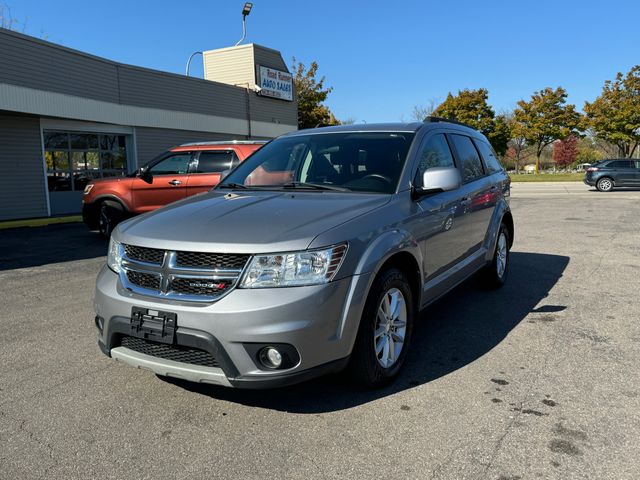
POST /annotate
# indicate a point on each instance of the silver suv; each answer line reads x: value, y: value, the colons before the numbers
x: 315, y: 254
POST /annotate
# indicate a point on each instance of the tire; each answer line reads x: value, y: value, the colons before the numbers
x: 495, y: 274
x: 108, y: 217
x: 373, y: 369
x: 604, y: 184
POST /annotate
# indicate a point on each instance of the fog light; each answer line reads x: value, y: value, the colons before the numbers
x: 270, y: 357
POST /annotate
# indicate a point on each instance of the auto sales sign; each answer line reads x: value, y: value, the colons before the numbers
x: 276, y: 84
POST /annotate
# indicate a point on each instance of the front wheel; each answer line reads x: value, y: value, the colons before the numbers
x: 385, y: 330
x: 108, y: 218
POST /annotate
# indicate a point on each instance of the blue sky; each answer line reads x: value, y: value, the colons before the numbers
x: 381, y: 57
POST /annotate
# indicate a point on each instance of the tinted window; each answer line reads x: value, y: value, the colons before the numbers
x: 620, y: 164
x: 174, y: 164
x: 489, y: 157
x: 434, y: 153
x: 214, y: 162
x: 470, y: 165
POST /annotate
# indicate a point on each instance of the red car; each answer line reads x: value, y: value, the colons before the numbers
x: 180, y: 172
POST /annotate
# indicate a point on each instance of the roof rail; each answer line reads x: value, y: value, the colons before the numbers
x: 223, y: 142
x: 431, y: 119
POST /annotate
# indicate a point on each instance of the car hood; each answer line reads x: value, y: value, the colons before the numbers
x: 246, y: 222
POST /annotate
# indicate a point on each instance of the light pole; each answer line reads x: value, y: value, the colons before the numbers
x: 189, y: 62
x: 246, y: 10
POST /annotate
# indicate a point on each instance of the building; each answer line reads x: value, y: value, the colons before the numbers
x: 67, y: 117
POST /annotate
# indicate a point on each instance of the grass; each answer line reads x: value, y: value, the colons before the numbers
x: 547, y: 177
x: 39, y: 222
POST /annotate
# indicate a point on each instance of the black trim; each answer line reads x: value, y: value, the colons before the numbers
x: 274, y: 381
x: 119, y: 326
x: 290, y: 356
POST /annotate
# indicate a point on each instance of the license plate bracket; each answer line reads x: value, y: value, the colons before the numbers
x: 154, y: 325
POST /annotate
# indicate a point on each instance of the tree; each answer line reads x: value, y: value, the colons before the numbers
x: 471, y: 107
x: 545, y: 119
x: 565, y: 151
x: 615, y: 115
x: 311, y: 94
x: 420, y: 112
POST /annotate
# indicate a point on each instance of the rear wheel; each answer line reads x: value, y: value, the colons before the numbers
x: 385, y: 330
x: 605, y: 184
x: 495, y: 274
x: 110, y: 215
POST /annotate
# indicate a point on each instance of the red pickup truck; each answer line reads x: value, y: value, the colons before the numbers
x: 180, y: 172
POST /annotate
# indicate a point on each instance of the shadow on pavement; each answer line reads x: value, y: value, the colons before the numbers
x: 449, y: 335
x: 36, y: 246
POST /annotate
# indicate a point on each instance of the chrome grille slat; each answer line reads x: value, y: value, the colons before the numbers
x: 193, y: 282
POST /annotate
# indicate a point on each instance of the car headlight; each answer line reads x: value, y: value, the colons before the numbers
x: 114, y: 256
x: 87, y: 189
x: 293, y: 269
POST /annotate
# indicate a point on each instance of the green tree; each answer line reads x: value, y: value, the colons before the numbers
x: 615, y: 115
x: 544, y: 119
x: 471, y: 107
x: 311, y: 94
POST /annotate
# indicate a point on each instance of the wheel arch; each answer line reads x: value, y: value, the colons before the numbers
x: 112, y: 201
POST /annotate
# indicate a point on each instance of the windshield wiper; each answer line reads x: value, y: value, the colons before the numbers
x: 315, y: 186
x: 233, y: 185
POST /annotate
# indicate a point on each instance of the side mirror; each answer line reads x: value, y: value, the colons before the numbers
x: 145, y: 175
x: 438, y: 179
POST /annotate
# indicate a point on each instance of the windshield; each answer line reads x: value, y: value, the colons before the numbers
x: 355, y: 161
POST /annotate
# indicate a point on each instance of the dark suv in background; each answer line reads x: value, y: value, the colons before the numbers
x: 607, y: 174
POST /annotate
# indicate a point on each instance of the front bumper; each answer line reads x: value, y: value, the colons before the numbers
x: 320, y: 322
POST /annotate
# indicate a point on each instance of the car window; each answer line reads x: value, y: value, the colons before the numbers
x: 172, y: 165
x: 470, y: 165
x: 620, y: 164
x: 214, y: 162
x: 346, y: 161
x: 489, y: 157
x: 434, y: 152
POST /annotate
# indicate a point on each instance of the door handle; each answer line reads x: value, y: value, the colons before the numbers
x: 493, y: 188
x: 175, y: 182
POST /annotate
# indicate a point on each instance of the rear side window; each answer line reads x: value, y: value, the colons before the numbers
x: 214, y: 162
x: 469, y: 160
x: 620, y: 164
x: 489, y: 157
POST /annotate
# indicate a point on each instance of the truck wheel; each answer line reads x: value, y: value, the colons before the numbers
x: 495, y: 274
x: 110, y: 215
x: 385, y: 330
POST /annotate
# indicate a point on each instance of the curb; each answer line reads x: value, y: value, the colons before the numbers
x: 39, y: 222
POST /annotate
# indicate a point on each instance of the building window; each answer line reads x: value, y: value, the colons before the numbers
x: 74, y: 159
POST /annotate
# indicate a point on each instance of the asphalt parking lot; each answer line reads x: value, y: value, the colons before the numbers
x: 537, y: 380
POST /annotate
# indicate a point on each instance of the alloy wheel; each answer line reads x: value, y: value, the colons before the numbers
x: 501, y: 255
x: 391, y: 327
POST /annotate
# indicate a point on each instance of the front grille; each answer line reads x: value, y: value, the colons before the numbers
x: 199, y: 286
x: 144, y: 280
x: 211, y: 260
x: 142, y: 254
x: 177, y: 353
x: 186, y: 276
